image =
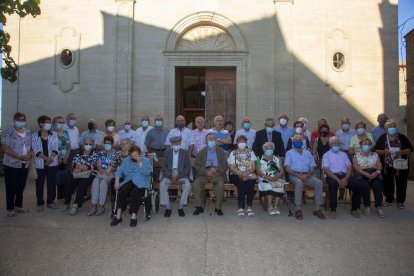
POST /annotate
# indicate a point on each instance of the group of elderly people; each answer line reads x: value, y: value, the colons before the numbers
x: 68, y: 160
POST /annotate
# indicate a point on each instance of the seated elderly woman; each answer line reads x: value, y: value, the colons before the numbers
x: 269, y: 170
x: 104, y: 175
x: 338, y: 169
x: 82, y: 166
x: 136, y: 171
x: 242, y: 167
x: 367, y: 166
x: 361, y: 134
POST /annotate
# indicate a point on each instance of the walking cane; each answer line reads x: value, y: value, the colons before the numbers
x: 116, y: 201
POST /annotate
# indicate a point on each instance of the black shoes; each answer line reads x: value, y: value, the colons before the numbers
x: 181, y: 212
x: 167, y: 213
x: 198, y: 211
x: 133, y: 223
x: 115, y: 221
x: 218, y: 212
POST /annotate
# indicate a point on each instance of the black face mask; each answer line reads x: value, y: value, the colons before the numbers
x: 180, y: 125
x: 133, y: 160
x: 324, y: 133
x: 90, y: 126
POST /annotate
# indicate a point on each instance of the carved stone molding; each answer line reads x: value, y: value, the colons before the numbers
x: 66, y: 75
x: 205, y: 38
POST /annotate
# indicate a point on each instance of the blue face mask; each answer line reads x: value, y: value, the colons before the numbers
x: 361, y: 131
x: 47, y: 126
x: 211, y: 144
x: 298, y: 144
x: 20, y: 124
x: 176, y: 148
x: 72, y: 123
x: 366, y: 148
x: 107, y: 147
x: 269, y: 152
x: 59, y: 126
x: 392, y: 130
x: 246, y: 126
x: 157, y: 124
x: 269, y: 129
x: 345, y: 126
x: 127, y: 127
x: 145, y: 123
x: 335, y: 148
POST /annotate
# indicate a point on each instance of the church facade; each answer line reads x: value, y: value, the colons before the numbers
x: 123, y: 59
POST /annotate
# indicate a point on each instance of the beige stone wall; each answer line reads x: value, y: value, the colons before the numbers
x: 409, y: 38
x: 285, y: 66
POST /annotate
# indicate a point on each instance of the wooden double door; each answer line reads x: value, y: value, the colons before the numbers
x: 207, y: 92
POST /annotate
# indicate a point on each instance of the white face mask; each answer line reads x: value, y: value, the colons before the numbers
x: 111, y: 128
x: 282, y: 121
x: 241, y: 146
x: 88, y: 147
x: 298, y: 130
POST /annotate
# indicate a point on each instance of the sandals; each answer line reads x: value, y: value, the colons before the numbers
x: 250, y: 213
x: 91, y: 212
x: 100, y: 211
x: 240, y: 213
x: 21, y: 210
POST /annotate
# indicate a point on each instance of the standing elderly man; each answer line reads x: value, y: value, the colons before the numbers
x: 176, y: 169
x: 187, y: 137
x: 156, y: 136
x: 345, y: 134
x: 285, y: 130
x: 199, y: 135
x: 141, y: 133
x: 379, y: 129
x: 338, y: 169
x: 94, y: 133
x: 268, y: 134
x: 73, y: 132
x: 299, y: 163
x: 222, y: 136
x: 211, y: 166
x: 247, y: 131
x: 127, y: 132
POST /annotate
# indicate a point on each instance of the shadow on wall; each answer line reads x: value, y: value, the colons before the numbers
x: 103, y: 92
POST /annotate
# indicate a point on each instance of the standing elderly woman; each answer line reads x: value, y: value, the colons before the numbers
x: 269, y: 169
x: 367, y: 166
x: 110, y: 131
x: 16, y: 145
x: 136, y: 171
x: 361, y: 134
x: 45, y: 149
x: 103, y: 177
x: 64, y: 148
x: 391, y: 146
x: 299, y: 130
x: 82, y: 166
x: 242, y: 164
x: 338, y: 169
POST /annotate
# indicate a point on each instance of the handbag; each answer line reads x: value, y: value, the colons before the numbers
x: 81, y: 174
x: 278, y: 183
x: 400, y: 164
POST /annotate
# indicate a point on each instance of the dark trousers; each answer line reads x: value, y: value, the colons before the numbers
x: 354, y: 186
x: 244, y: 189
x: 376, y: 186
x: 82, y: 184
x: 400, y: 183
x: 15, y: 180
x: 130, y: 190
x: 47, y: 174
x: 62, y: 177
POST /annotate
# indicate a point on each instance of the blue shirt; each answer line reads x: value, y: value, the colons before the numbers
x: 97, y: 136
x: 286, y: 133
x: 211, y: 160
x: 221, y: 135
x: 345, y: 138
x: 299, y: 162
x: 131, y: 171
x: 377, y: 132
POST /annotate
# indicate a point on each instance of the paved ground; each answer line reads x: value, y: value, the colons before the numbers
x: 54, y: 243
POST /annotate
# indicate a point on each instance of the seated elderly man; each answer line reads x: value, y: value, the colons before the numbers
x: 338, y: 169
x: 211, y: 166
x: 176, y: 169
x: 299, y: 164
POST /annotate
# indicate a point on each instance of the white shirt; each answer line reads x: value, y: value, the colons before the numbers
x: 140, y: 135
x: 187, y: 137
x: 250, y: 134
x: 175, y: 159
x: 131, y: 135
x: 73, y: 136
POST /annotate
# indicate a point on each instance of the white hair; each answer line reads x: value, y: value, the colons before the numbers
x: 268, y: 144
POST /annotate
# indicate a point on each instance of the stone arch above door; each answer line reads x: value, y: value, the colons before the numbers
x: 205, y: 31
